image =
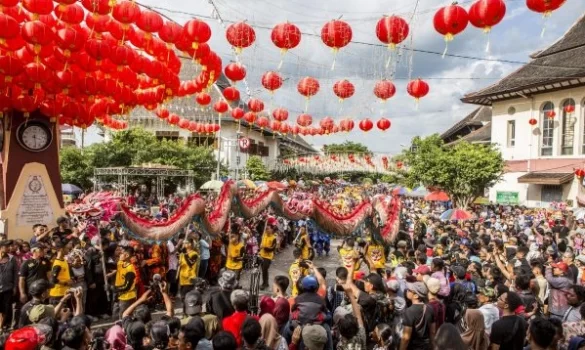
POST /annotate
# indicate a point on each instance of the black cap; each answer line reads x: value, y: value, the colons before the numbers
x: 61, y: 219
x: 193, y: 303
x: 6, y: 242
x: 38, y: 287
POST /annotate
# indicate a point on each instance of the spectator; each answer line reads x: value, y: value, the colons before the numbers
x: 575, y: 300
x: 219, y: 301
x: 448, y: 338
x: 419, y: 324
x: 556, y: 275
x: 510, y: 331
x: 541, y: 333
x: 234, y: 322
x: 475, y: 336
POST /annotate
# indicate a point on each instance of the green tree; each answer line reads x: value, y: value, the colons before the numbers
x: 346, y: 147
x: 135, y: 147
x: 75, y: 168
x: 256, y: 169
x: 464, y: 171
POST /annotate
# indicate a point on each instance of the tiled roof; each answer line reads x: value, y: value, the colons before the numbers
x: 546, y: 178
x: 560, y: 66
x: 476, y: 118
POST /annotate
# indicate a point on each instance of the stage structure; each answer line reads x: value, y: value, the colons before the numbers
x: 159, y: 173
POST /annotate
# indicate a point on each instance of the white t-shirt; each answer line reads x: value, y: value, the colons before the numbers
x: 490, y: 315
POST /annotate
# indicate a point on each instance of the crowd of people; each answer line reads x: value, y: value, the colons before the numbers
x: 509, y: 278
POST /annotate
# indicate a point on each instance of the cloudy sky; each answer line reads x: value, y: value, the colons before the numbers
x: 363, y: 61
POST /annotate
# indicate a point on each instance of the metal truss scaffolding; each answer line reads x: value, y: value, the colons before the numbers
x: 159, y: 175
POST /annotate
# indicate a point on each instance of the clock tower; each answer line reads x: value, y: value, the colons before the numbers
x: 31, y: 180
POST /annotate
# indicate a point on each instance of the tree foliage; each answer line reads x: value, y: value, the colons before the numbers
x: 135, y: 147
x: 346, y: 148
x: 257, y: 171
x: 464, y: 170
x: 75, y: 168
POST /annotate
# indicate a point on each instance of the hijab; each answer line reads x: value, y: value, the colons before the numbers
x: 270, y: 332
x: 116, y: 338
x: 475, y: 336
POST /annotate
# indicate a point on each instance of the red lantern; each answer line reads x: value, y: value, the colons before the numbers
x: 256, y: 105
x: 170, y: 32
x: 450, y: 21
x: 237, y: 113
x: 36, y: 33
x: 38, y: 7
x: 163, y: 113
x: 366, y: 125
x: 240, y: 35
x: 220, y: 106
x: 149, y: 21
x: 327, y: 124
x: 343, y: 89
x: 70, y: 14
x: 392, y: 30
x: 271, y: 81
x: 235, y: 71
x: 9, y: 28
x: 196, y: 32
x: 551, y: 114
x: 280, y: 114
x: 485, y: 14
x: 250, y: 117
x: 399, y: 164
x: 101, y: 7
x: 262, y: 122
x: 126, y: 12
x: 570, y: 108
x: 183, y: 123
x: 384, y: 89
x: 203, y: 98
x: 275, y: 125
x: 173, y: 119
x: 284, y: 128
x: 546, y: 7
x: 580, y: 173
x: 308, y: 87
x: 383, y: 124
x: 336, y: 34
x: 231, y: 93
x: 532, y: 122
x: 304, y: 120
x: 286, y: 36
x: 417, y: 88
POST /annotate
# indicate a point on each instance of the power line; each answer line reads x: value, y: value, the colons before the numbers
x: 403, y: 47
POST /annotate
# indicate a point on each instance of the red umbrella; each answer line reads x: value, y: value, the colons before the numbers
x: 275, y: 185
x: 438, y: 196
x: 456, y: 214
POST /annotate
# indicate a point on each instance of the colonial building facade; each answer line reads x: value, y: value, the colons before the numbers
x: 538, y: 123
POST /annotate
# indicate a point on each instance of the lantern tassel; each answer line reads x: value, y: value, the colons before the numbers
x: 389, y: 60
x: 487, y: 46
x: 335, y: 50
x: 282, y: 53
x: 446, y: 49
x: 306, y: 105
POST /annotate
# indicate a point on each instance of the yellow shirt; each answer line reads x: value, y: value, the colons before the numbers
x: 295, y: 273
x: 305, y: 251
x: 63, y: 277
x: 376, y: 254
x: 268, y: 241
x: 121, y: 274
x: 234, y: 251
x: 188, y: 273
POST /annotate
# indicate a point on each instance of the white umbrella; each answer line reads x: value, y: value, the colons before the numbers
x: 579, y: 213
x: 214, y: 185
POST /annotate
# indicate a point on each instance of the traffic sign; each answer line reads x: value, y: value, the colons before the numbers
x: 244, y: 143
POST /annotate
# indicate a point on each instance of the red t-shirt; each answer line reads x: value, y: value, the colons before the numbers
x: 233, y: 324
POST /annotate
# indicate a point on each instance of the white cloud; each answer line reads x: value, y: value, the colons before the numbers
x: 516, y: 37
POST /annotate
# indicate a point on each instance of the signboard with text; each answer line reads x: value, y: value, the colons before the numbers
x: 503, y: 197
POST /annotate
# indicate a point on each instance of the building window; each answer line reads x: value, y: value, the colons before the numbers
x: 511, y: 133
x: 551, y: 193
x: 568, y: 127
x: 546, y: 148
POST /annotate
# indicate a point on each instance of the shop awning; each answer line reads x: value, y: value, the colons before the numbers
x: 546, y: 178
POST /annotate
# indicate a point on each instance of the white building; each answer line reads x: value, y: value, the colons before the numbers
x: 263, y: 143
x: 541, y: 159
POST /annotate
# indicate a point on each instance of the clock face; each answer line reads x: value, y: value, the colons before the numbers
x: 34, y: 137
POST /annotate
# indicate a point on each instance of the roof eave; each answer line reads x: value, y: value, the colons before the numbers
x: 529, y: 90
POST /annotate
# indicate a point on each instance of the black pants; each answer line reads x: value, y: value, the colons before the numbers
x: 123, y: 305
x: 172, y: 281
x: 6, y: 300
x: 97, y: 300
x: 265, y: 266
